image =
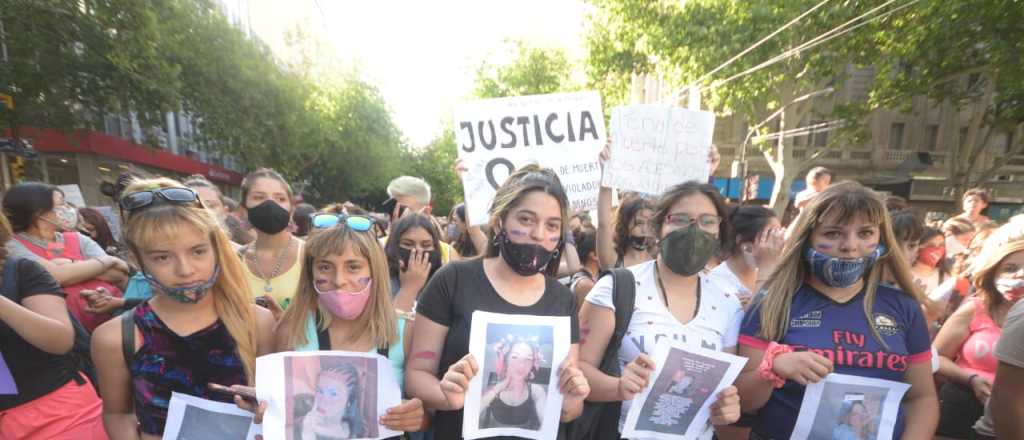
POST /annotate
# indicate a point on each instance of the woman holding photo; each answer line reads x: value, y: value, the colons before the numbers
x: 675, y: 300
x: 200, y: 327
x: 344, y: 303
x: 529, y: 218
x: 824, y: 310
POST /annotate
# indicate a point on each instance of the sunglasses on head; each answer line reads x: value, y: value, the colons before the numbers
x: 138, y: 200
x: 354, y: 222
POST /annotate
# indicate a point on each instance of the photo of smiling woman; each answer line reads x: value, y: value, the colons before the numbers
x: 516, y: 396
x: 529, y: 218
x: 200, y: 327
x: 824, y: 310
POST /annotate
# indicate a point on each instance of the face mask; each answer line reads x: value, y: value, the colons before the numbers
x: 433, y: 256
x: 453, y: 232
x: 931, y: 255
x: 67, y: 217
x: 840, y: 272
x: 345, y: 304
x: 188, y: 294
x: 687, y: 250
x: 638, y: 243
x: 269, y: 217
x: 525, y: 259
x: 1011, y: 288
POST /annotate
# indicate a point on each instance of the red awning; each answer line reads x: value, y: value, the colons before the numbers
x: 101, y: 144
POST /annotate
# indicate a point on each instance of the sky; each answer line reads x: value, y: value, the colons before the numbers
x: 422, y: 55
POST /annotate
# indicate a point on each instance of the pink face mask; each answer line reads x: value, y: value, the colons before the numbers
x: 345, y: 304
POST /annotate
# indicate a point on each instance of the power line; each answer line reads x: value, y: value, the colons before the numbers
x: 759, y: 42
x: 823, y: 38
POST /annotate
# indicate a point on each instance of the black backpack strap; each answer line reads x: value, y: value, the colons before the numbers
x: 128, y: 336
x: 384, y: 351
x: 624, y: 299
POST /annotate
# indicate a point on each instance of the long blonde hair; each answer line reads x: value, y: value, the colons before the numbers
x: 379, y: 318
x: 1005, y: 241
x: 230, y: 292
x: 841, y: 203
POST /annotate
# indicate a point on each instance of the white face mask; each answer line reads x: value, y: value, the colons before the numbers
x: 67, y: 217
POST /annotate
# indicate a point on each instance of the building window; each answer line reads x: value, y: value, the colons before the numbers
x: 896, y: 136
x: 932, y: 137
x: 819, y: 137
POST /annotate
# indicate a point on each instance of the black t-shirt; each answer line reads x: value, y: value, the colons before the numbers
x: 450, y: 298
x: 36, y: 372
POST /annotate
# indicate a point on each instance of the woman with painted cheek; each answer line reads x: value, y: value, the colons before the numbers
x: 824, y: 310
x: 199, y: 324
x: 45, y: 231
x: 528, y: 220
x: 271, y: 261
x: 753, y: 248
x: 966, y: 340
x: 675, y: 300
x: 344, y: 303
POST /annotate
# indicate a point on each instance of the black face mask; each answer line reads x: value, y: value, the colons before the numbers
x: 638, y: 243
x: 686, y: 251
x: 269, y: 217
x: 525, y: 259
x: 433, y: 256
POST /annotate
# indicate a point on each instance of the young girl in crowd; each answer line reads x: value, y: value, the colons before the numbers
x: 48, y: 398
x: 674, y: 301
x: 966, y: 340
x: 752, y: 250
x: 413, y: 255
x: 272, y: 263
x: 200, y: 327
x: 623, y: 242
x: 344, y: 303
x: 458, y: 232
x: 45, y: 230
x: 825, y: 299
x: 930, y: 268
x: 582, y: 281
x: 527, y: 228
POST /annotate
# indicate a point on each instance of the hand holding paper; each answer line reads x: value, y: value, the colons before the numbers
x: 456, y: 381
x: 802, y: 367
x: 635, y: 376
x: 726, y: 409
x: 573, y: 384
x: 406, y: 417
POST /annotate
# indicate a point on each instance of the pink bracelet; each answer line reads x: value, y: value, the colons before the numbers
x: 768, y: 362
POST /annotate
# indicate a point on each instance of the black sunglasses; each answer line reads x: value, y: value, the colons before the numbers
x: 138, y: 200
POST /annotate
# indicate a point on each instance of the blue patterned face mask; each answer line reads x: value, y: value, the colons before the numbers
x: 187, y: 295
x: 840, y: 272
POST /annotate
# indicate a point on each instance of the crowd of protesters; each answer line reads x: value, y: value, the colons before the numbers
x: 196, y: 286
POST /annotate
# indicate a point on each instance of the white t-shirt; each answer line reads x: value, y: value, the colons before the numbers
x: 725, y: 277
x: 716, y: 326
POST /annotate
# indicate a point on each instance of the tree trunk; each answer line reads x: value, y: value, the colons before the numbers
x: 780, y: 191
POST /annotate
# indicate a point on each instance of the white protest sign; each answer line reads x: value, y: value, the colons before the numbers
x: 655, y: 146
x: 73, y: 195
x: 562, y: 131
